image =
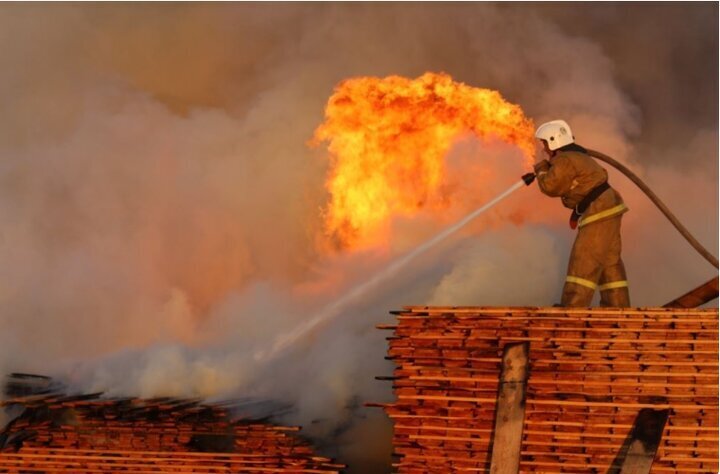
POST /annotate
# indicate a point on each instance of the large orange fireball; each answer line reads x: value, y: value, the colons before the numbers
x: 388, y: 139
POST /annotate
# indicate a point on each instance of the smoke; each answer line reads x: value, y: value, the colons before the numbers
x: 161, y: 211
x: 493, y: 257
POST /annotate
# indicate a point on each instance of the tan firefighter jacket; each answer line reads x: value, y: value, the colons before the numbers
x: 571, y: 176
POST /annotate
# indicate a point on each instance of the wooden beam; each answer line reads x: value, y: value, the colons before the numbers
x: 510, y: 410
x: 639, y: 450
x: 704, y: 293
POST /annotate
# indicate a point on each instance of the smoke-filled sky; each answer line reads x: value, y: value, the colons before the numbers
x: 161, y: 211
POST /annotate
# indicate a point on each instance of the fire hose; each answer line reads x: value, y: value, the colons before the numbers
x: 528, y: 178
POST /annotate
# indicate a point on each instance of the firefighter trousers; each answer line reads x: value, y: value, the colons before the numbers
x: 595, y: 263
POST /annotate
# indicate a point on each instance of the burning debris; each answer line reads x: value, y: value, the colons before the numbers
x: 54, y: 431
x: 594, y: 374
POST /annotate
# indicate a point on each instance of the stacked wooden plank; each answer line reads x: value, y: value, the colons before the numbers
x: 58, y: 433
x: 591, y: 372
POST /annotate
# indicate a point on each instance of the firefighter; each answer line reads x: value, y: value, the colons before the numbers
x: 597, y: 209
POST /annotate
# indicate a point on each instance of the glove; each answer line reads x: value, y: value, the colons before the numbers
x: 542, y: 166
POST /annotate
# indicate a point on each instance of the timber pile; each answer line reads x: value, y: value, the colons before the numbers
x: 57, y: 433
x: 591, y: 372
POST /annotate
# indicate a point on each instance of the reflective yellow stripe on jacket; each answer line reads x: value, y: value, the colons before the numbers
x: 613, y: 211
x: 581, y: 282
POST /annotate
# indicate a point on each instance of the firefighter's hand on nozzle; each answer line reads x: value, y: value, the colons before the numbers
x: 541, y: 166
x: 528, y: 178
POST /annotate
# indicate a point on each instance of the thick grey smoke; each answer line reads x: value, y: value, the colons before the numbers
x: 160, y: 208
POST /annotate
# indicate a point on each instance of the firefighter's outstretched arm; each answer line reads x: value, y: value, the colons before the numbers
x: 555, y: 178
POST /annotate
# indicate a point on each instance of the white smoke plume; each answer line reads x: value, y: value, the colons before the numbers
x: 160, y: 209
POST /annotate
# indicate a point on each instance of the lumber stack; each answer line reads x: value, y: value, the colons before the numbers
x: 59, y: 433
x: 591, y: 372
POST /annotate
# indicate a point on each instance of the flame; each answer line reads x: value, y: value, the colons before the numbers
x: 388, y: 139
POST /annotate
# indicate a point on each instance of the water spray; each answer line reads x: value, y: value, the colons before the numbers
x: 332, y: 310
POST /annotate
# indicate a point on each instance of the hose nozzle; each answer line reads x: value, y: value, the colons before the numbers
x: 528, y: 178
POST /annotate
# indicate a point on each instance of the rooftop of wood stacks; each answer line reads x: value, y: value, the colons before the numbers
x: 591, y: 372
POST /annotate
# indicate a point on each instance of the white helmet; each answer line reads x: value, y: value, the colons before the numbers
x: 557, y: 134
